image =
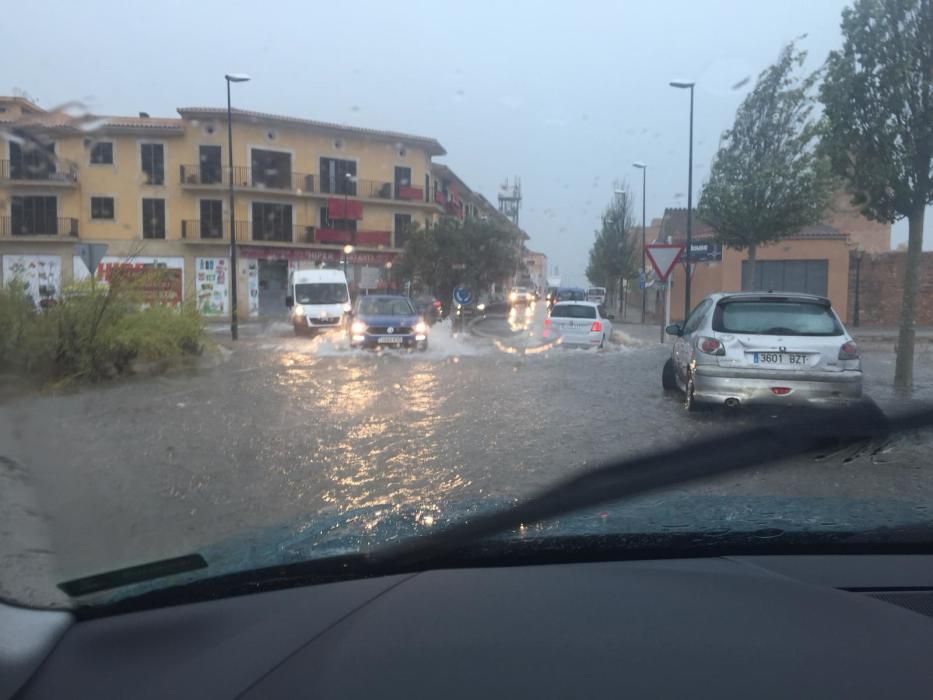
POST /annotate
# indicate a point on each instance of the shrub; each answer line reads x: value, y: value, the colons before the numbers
x: 93, y: 332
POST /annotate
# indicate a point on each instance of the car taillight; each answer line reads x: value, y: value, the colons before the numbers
x: 711, y: 346
x: 597, y: 327
x: 848, y: 351
x: 780, y: 390
x: 437, y: 304
x: 547, y: 323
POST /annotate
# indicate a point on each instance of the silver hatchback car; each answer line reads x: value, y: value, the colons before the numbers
x: 763, y: 348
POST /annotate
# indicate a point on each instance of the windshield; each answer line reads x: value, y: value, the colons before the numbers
x: 375, y: 306
x: 271, y: 277
x: 321, y: 293
x: 573, y: 311
x: 775, y: 318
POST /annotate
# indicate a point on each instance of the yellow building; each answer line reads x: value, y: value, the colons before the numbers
x: 156, y: 192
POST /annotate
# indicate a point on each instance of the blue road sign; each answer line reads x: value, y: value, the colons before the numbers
x: 463, y: 295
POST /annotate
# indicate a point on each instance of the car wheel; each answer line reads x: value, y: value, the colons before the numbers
x: 690, y: 402
x: 422, y: 346
x: 602, y: 342
x: 669, y: 376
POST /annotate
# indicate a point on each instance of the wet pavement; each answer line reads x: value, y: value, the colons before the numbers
x: 283, y: 427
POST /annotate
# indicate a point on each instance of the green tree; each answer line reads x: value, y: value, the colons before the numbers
x: 474, y: 252
x: 614, y: 253
x: 768, y: 180
x: 878, y: 106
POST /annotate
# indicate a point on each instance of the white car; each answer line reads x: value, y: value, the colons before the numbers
x: 770, y: 348
x: 521, y: 295
x: 317, y: 301
x: 581, y: 323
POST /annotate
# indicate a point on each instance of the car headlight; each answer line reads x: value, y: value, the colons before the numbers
x: 421, y: 328
x: 358, y: 328
x: 513, y: 296
x: 298, y: 310
x: 480, y: 307
x: 347, y: 308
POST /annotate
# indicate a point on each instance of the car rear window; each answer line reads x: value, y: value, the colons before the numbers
x: 775, y: 318
x: 573, y: 311
x: 571, y: 295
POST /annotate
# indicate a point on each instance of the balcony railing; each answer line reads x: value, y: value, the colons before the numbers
x: 358, y: 187
x: 45, y: 173
x: 60, y: 227
x: 257, y: 232
x: 254, y: 178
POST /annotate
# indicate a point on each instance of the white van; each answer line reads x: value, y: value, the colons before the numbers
x: 317, y: 300
x: 597, y: 295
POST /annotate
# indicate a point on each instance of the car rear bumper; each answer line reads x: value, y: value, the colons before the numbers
x: 589, y: 340
x: 713, y: 384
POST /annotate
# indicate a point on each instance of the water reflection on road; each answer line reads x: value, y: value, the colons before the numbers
x: 295, y: 428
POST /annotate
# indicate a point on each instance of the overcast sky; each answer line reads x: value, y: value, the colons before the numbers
x: 564, y: 97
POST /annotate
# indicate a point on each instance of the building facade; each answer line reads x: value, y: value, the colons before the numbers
x: 155, y: 191
x: 814, y: 260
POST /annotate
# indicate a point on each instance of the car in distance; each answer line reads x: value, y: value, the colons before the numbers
x: 579, y: 323
x: 763, y: 348
x: 567, y: 294
x: 385, y: 321
x: 596, y: 295
x: 317, y: 301
x: 428, y: 307
x: 521, y: 295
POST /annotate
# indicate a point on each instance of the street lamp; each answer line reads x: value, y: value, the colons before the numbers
x: 644, y: 176
x: 232, y: 78
x: 684, y: 85
x: 347, y: 249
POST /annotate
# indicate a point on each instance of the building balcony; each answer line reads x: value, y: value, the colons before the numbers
x: 45, y: 175
x: 211, y: 177
x: 409, y: 194
x: 47, y: 229
x: 207, y: 232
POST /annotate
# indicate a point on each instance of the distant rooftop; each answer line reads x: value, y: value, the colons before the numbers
x: 430, y: 145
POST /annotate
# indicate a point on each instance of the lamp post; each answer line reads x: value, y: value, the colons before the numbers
x: 684, y: 85
x: 859, y: 252
x: 347, y: 249
x: 644, y: 177
x: 234, y: 331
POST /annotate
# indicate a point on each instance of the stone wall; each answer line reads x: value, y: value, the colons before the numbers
x: 881, y: 287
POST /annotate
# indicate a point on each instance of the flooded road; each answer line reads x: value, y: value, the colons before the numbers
x: 288, y: 427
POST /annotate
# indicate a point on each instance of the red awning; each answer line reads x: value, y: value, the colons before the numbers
x: 410, y: 193
x: 332, y: 235
x: 344, y: 209
x: 373, y: 237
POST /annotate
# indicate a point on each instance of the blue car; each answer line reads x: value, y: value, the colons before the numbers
x: 385, y: 321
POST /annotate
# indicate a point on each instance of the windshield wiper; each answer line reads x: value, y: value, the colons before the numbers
x: 752, y: 447
x: 693, y: 461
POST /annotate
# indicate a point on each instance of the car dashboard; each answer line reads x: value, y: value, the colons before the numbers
x: 853, y: 626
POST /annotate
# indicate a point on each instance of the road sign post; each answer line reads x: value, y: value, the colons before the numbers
x: 91, y: 254
x: 663, y: 258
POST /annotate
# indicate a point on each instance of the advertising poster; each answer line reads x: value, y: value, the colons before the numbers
x: 211, y: 291
x: 41, y: 275
x: 159, y: 279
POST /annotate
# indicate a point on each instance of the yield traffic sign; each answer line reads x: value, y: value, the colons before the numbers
x: 663, y: 257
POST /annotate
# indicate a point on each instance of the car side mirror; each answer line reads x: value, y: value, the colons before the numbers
x: 289, y: 301
x: 674, y: 329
